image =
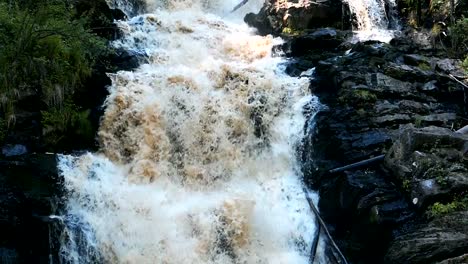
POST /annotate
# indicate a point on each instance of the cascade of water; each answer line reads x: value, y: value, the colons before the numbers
x: 373, y: 21
x: 198, y: 149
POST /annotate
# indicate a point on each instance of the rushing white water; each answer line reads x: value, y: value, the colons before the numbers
x: 198, y: 158
x: 373, y: 21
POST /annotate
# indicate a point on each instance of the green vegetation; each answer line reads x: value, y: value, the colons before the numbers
x: 439, y: 174
x: 291, y: 31
x: 359, y: 99
x: 447, y: 21
x: 47, y: 53
x: 67, y: 120
x: 406, y: 184
x: 424, y: 66
x: 440, y: 209
x: 44, y: 51
x: 418, y: 121
x: 459, y: 37
x: 465, y: 63
x: 364, y: 95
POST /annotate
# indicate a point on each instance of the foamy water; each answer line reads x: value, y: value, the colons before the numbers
x: 373, y: 22
x: 198, y: 149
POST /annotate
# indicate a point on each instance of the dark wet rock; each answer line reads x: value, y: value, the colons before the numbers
x: 409, y: 73
x: 293, y: 16
x: 28, y: 185
x: 8, y: 256
x: 372, y: 93
x: 416, y: 60
x: 456, y: 260
x: 450, y: 66
x: 442, y: 119
x: 100, y: 17
x: 126, y: 60
x: 130, y: 8
x: 14, y: 150
x: 362, y: 206
x: 430, y: 86
x: 408, y: 107
x: 369, y: 139
x: 392, y: 120
x: 320, y: 39
x: 442, y: 238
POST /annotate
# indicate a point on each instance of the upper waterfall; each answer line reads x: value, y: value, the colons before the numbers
x: 198, y: 148
x: 373, y: 18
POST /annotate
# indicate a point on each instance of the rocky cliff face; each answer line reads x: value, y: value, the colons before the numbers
x: 396, y: 100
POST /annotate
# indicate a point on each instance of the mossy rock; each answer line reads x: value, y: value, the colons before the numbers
x: 358, y: 97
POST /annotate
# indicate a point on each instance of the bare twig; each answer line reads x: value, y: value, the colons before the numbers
x: 458, y: 81
x: 322, y: 224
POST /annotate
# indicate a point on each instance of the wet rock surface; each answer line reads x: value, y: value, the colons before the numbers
x: 444, y: 239
x: 285, y: 15
x: 391, y: 99
x: 28, y: 189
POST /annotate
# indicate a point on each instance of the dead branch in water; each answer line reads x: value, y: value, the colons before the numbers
x: 239, y: 5
x: 324, y: 227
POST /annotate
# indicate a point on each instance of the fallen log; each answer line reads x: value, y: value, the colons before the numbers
x: 239, y: 5
x: 358, y: 164
x: 324, y: 227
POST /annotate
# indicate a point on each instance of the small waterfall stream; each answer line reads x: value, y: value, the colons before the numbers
x: 374, y: 18
x: 198, y: 148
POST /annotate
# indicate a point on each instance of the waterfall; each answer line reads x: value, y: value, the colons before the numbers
x: 373, y: 20
x: 198, y: 148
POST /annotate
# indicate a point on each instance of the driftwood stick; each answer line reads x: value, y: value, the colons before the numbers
x: 322, y: 224
x: 458, y: 81
x: 358, y: 164
x: 239, y: 5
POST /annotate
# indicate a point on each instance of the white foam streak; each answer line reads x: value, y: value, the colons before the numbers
x: 198, y: 160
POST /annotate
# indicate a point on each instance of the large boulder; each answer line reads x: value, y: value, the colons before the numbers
x: 439, y: 240
x: 289, y: 16
x: 431, y: 163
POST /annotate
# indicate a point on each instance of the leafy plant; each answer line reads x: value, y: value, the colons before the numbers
x: 406, y: 184
x: 465, y: 64
x: 68, y: 120
x: 459, y: 37
x: 45, y: 51
x: 440, y: 209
